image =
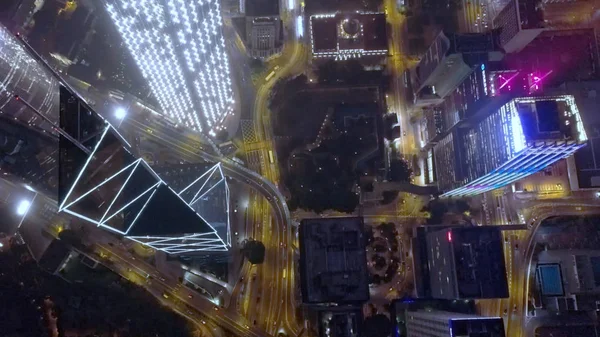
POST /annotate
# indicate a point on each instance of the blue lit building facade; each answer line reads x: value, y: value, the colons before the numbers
x: 522, y: 137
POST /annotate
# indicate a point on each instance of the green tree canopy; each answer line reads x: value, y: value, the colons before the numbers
x: 254, y: 251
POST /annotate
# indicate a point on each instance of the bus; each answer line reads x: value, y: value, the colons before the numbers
x: 271, y: 159
x: 270, y: 76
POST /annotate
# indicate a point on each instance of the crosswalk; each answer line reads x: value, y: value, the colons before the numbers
x: 248, y: 131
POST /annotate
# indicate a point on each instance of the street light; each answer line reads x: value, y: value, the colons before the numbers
x: 23, y: 207
x: 120, y: 114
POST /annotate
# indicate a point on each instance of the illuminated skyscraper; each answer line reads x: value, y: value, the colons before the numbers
x: 522, y: 137
x: 28, y: 151
x: 179, y: 47
x: 56, y: 145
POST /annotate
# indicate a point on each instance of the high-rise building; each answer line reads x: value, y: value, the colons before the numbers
x: 436, y: 323
x: 460, y: 263
x: 584, y: 166
x: 566, y: 54
x: 450, y: 59
x: 180, y: 49
x: 74, y: 157
x: 29, y: 150
x: 522, y: 137
x: 521, y: 21
x: 264, y: 28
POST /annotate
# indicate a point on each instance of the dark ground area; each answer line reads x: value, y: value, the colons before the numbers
x: 31, y: 298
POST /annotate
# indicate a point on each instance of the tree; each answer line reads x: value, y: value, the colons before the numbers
x: 69, y: 237
x: 350, y: 72
x: 388, y: 197
x: 254, y: 251
x: 461, y: 206
x: 399, y: 170
x: 256, y: 65
x: 327, y: 72
x: 437, y: 209
x: 222, y: 136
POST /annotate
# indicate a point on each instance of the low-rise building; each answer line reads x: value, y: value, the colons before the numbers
x: 341, y: 36
x: 460, y: 262
x: 569, y: 280
x: 333, y: 261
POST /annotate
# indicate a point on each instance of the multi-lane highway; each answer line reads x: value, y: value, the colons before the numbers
x: 270, y: 288
x: 397, y: 99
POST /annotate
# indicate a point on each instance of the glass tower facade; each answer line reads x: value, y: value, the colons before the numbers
x: 29, y: 146
x: 89, y: 171
x: 522, y: 137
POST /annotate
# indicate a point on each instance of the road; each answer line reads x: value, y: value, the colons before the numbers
x: 397, y: 99
x: 284, y: 287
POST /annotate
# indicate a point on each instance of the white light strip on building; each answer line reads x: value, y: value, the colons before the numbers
x: 136, y: 165
x: 60, y: 208
x: 179, y: 47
